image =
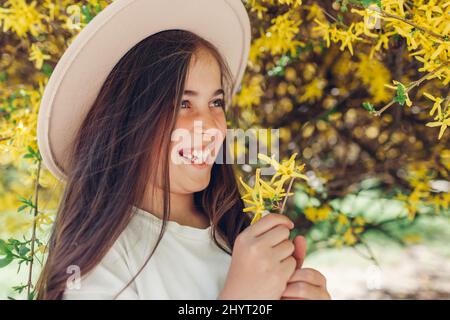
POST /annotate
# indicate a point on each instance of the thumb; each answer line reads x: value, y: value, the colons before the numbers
x: 300, y: 250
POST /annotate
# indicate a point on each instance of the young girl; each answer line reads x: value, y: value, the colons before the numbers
x: 145, y: 217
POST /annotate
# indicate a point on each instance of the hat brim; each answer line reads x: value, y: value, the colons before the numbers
x: 84, y: 66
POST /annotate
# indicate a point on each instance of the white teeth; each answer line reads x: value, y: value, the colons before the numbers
x: 191, y: 157
x: 197, y: 156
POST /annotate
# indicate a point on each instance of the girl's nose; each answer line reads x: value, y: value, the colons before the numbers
x: 208, y: 131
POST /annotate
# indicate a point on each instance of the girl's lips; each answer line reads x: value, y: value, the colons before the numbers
x: 200, y: 166
x: 196, y: 162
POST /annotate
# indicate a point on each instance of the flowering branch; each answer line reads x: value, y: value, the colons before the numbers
x: 30, y: 294
x: 286, y: 196
x: 411, y: 86
x: 266, y: 195
x: 423, y: 29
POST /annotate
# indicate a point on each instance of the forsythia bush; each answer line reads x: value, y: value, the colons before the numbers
x: 358, y: 88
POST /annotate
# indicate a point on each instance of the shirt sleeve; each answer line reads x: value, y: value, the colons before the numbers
x: 105, y: 280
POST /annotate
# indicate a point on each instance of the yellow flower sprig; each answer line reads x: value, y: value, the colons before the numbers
x: 442, y: 119
x: 271, y: 195
x: 405, y: 89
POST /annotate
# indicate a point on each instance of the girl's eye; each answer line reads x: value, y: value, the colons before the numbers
x: 184, y: 104
x: 219, y: 103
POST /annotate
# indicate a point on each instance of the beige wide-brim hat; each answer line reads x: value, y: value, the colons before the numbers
x: 84, y: 66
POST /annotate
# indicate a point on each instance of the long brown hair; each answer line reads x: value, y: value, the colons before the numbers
x: 122, y: 142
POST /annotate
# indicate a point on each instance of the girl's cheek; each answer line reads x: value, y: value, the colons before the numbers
x: 221, y: 124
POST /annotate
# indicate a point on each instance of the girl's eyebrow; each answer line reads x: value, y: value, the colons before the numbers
x: 195, y: 93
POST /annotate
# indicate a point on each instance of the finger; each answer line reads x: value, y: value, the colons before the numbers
x: 268, y: 222
x: 300, y: 250
x: 283, y: 250
x: 288, y: 266
x: 275, y: 235
x: 310, y: 276
x: 305, y: 291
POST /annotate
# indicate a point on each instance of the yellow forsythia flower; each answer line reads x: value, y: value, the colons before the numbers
x: 268, y: 195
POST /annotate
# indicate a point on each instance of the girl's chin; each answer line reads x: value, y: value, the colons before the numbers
x: 199, y: 166
x: 197, y: 179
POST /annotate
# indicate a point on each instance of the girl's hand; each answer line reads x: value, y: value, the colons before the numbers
x: 308, y: 284
x: 305, y: 283
x: 262, y: 260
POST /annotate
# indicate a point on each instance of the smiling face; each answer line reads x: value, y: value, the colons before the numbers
x: 200, y: 126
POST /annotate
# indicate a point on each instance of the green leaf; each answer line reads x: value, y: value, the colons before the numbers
x: 86, y: 13
x: 21, y: 208
x: 23, y: 250
x: 98, y: 8
x: 22, y: 199
x: 28, y: 202
x: 31, y: 295
x: 20, y: 288
x: 400, y: 95
x: 3, y: 76
x: 47, y: 69
x: 366, y: 3
x: 284, y: 60
x: 368, y: 106
x: 13, y: 242
x: 277, y: 71
x: 38, y: 155
x: 4, y: 248
x: 6, y: 260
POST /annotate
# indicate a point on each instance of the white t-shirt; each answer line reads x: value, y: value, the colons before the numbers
x: 187, y: 264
